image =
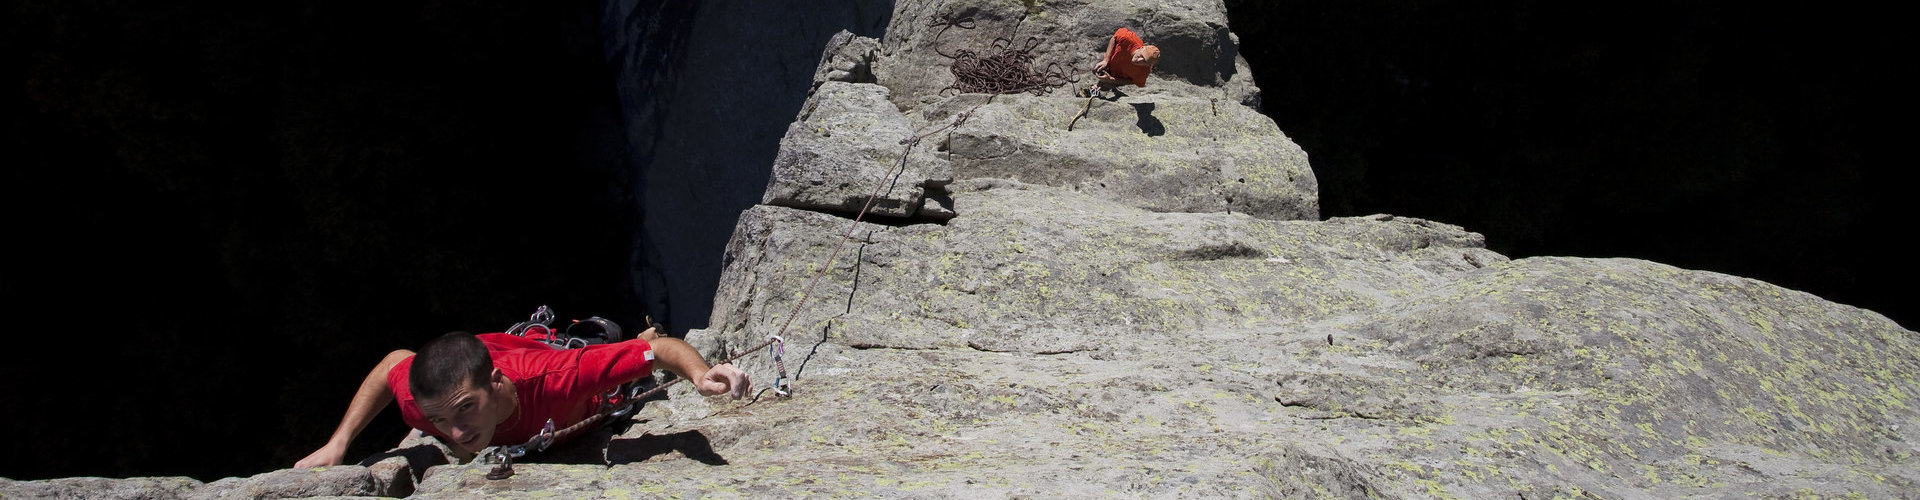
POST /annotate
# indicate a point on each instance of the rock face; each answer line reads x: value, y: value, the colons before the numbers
x: 1184, y: 143
x: 1061, y: 338
x: 845, y: 141
x: 1027, y: 313
x: 291, y: 483
x: 139, y: 488
x: 1164, y: 153
x: 1038, y: 270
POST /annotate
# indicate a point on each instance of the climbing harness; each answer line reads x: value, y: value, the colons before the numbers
x: 581, y: 333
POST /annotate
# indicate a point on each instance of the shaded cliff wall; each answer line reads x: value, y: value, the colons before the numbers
x: 702, y: 141
x: 220, y: 214
x: 207, y: 194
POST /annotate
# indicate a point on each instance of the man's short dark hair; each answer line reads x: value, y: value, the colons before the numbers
x: 439, y: 366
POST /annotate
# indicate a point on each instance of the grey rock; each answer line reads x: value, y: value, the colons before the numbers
x: 343, y: 480
x: 1428, y: 366
x: 848, y: 146
x: 1626, y: 378
x: 1187, y: 144
x: 847, y: 58
x: 396, y: 471
x: 1200, y: 56
x: 1164, y: 153
x: 392, y: 477
x: 1161, y: 153
x: 1042, y: 270
x: 138, y: 488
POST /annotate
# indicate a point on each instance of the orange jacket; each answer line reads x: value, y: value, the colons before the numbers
x: 1120, y: 59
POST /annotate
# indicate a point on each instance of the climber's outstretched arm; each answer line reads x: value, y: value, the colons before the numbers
x: 1100, y: 68
x: 676, y: 356
x: 367, y: 402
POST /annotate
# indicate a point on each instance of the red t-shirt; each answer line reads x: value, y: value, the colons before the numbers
x: 564, y: 385
x: 1120, y: 59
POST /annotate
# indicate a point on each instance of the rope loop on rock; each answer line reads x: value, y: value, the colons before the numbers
x: 1002, y: 68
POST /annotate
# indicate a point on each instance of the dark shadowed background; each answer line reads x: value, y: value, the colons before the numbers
x: 220, y: 214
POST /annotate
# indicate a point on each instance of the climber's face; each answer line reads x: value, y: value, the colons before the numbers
x: 1140, y: 58
x: 468, y: 414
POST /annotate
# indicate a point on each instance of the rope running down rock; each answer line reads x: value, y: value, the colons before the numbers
x: 506, y: 454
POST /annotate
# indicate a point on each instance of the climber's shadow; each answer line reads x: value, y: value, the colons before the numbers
x: 693, y: 444
x: 585, y: 450
x: 599, y: 446
x: 1147, y: 122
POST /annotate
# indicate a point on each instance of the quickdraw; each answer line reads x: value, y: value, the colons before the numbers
x: 1092, y: 92
x: 506, y: 454
x: 781, y: 387
x: 581, y: 333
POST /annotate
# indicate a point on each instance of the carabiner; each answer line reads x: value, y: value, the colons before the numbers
x: 779, y: 349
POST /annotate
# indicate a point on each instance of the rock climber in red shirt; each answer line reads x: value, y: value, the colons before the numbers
x: 1127, y: 60
x: 474, y: 391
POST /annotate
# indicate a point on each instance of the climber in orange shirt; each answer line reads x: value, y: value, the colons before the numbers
x: 1128, y: 60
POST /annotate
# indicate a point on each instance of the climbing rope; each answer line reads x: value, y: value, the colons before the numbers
x: 1002, y: 68
x: 898, y: 166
